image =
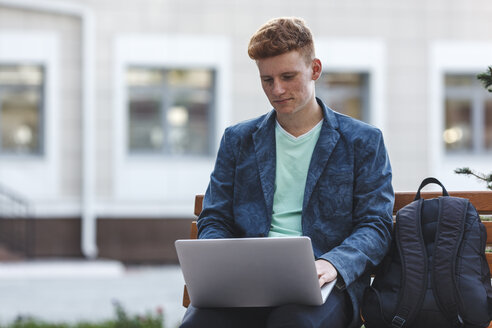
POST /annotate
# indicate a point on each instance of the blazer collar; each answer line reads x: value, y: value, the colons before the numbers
x: 328, y: 115
x: 265, y: 149
x: 327, y: 141
x: 265, y: 146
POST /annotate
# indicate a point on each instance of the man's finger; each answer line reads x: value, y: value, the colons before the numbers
x: 322, y: 281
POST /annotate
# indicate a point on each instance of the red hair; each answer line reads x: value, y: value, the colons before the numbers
x: 282, y: 35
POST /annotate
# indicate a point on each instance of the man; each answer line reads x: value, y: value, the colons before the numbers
x: 301, y: 169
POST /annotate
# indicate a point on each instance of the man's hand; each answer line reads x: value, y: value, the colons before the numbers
x: 326, y: 272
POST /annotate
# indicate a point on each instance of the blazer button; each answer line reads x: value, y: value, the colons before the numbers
x: 262, y: 235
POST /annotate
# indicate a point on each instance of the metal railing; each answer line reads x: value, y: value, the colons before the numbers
x: 16, y: 228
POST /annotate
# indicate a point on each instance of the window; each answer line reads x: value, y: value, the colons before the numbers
x: 21, y: 99
x: 170, y: 110
x: 468, y: 115
x: 347, y: 93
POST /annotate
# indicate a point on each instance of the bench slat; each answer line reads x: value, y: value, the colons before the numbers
x: 489, y: 260
x: 186, y: 297
x: 198, y: 204
x: 482, y: 200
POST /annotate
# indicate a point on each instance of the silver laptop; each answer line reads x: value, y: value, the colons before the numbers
x: 250, y: 272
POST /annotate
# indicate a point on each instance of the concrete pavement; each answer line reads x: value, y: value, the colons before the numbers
x: 69, y: 291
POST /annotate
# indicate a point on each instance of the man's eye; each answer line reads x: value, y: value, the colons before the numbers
x: 288, y: 77
x: 267, y: 80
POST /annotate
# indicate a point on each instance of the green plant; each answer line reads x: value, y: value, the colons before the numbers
x: 484, y: 177
x: 148, y: 321
x: 123, y: 320
x: 486, y: 78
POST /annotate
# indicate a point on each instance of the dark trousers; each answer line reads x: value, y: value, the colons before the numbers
x: 335, y: 313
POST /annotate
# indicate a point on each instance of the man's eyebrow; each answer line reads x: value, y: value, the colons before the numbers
x: 290, y: 73
x: 283, y: 73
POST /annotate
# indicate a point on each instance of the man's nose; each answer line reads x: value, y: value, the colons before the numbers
x: 278, y: 88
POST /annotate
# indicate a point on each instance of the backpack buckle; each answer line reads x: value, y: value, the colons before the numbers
x: 397, y: 322
x: 459, y: 322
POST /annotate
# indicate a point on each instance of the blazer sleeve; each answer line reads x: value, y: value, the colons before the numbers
x: 216, y: 219
x: 372, y: 216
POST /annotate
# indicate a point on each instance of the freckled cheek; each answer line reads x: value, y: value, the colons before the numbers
x: 268, y: 91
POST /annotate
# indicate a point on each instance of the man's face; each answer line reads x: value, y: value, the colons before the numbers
x: 288, y: 81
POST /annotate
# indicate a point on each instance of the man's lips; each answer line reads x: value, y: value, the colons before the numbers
x: 281, y: 101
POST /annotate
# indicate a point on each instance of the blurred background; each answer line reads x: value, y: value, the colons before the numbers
x: 111, y: 113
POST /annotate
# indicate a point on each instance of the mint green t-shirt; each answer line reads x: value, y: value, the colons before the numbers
x: 293, y: 158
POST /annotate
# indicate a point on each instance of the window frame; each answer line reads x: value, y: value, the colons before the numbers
x: 477, y: 96
x: 39, y: 179
x: 164, y: 93
x: 364, y: 93
x: 41, y: 111
x: 367, y: 55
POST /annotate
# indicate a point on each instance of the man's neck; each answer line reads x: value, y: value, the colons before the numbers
x: 303, y: 121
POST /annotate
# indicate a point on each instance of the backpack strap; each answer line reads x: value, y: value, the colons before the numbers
x: 450, y: 229
x: 427, y: 181
x: 413, y: 255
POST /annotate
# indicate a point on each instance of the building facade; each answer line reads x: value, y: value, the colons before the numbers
x: 111, y: 112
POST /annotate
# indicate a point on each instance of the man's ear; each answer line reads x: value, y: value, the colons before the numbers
x: 317, y: 68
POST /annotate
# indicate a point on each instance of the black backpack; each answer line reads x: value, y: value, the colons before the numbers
x: 435, y: 274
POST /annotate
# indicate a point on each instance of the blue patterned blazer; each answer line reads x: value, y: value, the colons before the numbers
x: 348, y: 198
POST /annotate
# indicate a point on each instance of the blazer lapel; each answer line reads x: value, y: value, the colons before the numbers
x: 327, y: 141
x: 264, y: 142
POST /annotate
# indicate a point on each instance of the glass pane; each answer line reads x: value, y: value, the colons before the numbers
x: 488, y: 124
x: 348, y: 106
x: 345, y: 93
x: 136, y: 76
x: 174, y: 116
x: 189, y: 124
x: 458, y: 130
x: 21, y: 75
x: 19, y: 121
x: 459, y: 80
x: 195, y: 78
x: 342, y: 79
x: 145, y: 123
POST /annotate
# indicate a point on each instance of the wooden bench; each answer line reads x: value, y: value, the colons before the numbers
x: 482, y: 200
